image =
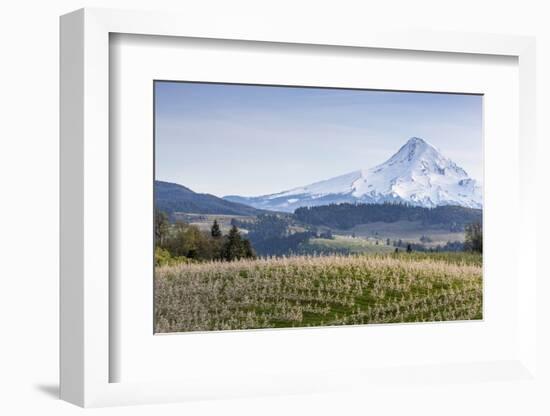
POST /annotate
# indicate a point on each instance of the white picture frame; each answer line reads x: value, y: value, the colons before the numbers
x: 86, y: 356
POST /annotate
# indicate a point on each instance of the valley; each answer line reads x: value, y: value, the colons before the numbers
x: 371, y: 237
x: 418, y: 200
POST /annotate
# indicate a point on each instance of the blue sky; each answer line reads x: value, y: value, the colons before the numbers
x: 252, y: 140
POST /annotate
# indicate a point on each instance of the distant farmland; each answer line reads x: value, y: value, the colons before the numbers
x: 347, y: 244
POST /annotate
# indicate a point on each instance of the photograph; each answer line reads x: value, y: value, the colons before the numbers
x: 290, y: 207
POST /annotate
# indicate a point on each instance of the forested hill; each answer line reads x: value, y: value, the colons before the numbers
x: 345, y: 216
x: 172, y: 197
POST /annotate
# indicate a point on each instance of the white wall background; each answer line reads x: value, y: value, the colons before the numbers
x: 29, y: 183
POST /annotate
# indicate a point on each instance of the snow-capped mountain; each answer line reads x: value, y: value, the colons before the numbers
x: 418, y: 174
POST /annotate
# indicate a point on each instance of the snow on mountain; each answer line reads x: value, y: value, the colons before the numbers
x: 418, y: 174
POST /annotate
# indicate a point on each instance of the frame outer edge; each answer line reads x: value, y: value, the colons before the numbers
x: 84, y: 176
x: 528, y: 205
x: 95, y: 182
x: 71, y: 208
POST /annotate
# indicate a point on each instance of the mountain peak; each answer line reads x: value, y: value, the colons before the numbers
x: 417, y: 144
x: 418, y: 174
x: 414, y: 150
x: 416, y: 140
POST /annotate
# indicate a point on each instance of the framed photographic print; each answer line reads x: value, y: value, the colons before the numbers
x: 395, y: 240
x: 264, y: 212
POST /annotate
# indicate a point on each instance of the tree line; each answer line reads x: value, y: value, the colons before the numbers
x: 182, y: 242
x: 345, y: 216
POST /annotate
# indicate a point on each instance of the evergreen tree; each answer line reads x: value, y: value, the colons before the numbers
x: 474, y: 237
x: 248, y: 250
x: 235, y: 247
x: 215, y: 230
x: 162, y: 227
x: 231, y: 248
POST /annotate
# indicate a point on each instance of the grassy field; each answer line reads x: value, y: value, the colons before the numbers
x: 313, y: 291
x: 353, y: 245
x: 408, y: 231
